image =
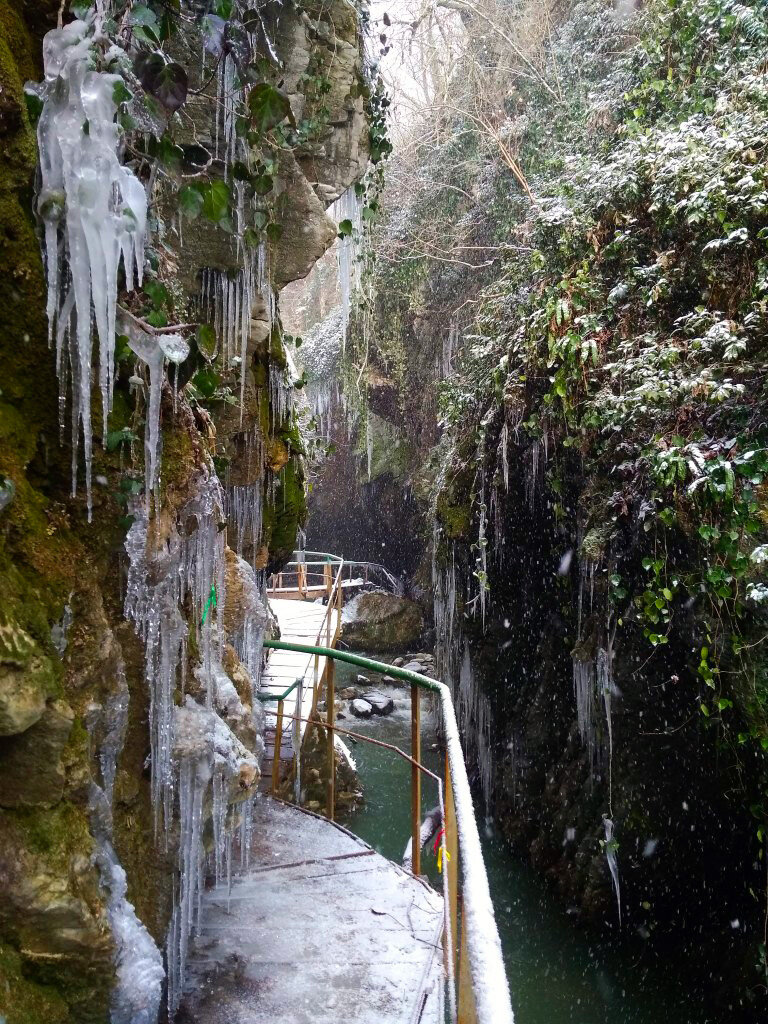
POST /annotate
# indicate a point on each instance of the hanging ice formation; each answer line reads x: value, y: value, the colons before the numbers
x: 453, y: 665
x: 584, y: 687
x: 610, y: 846
x: 473, y: 711
x: 94, y: 212
x: 348, y: 207
x: 193, y: 750
x: 210, y: 758
x: 445, y: 358
x: 232, y: 302
x: 158, y: 583
x: 139, y: 972
x: 320, y: 356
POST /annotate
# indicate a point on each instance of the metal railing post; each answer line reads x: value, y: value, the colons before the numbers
x: 297, y: 747
x: 278, y: 744
x: 467, y: 1012
x: 415, y: 780
x: 330, y: 711
x: 451, y: 868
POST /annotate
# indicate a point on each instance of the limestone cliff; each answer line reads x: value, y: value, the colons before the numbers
x: 74, y: 678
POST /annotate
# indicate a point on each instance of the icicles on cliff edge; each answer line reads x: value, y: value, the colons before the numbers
x: 209, y: 757
x: 454, y: 667
x: 347, y: 211
x: 138, y: 988
x: 159, y: 577
x: 94, y: 212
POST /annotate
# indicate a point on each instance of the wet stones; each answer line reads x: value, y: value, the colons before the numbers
x: 361, y: 708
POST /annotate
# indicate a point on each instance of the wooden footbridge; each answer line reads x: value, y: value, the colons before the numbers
x: 321, y: 928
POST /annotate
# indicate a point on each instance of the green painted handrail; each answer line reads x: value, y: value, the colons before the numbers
x: 355, y: 659
x: 265, y: 697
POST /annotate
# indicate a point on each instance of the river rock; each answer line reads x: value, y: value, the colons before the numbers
x: 364, y: 681
x: 380, y: 702
x: 349, y: 693
x: 398, y: 662
x: 382, y: 622
x: 414, y: 666
x: 361, y: 708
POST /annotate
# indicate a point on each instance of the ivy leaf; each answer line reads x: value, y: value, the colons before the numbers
x: 213, y: 33
x: 171, y: 87
x: 196, y: 157
x: 118, y: 437
x: 216, y: 201
x: 121, y: 94
x: 345, y: 228
x: 274, y: 232
x: 206, y: 341
x: 206, y: 381
x: 260, y: 219
x: 190, y: 201
x: 240, y: 171
x: 269, y: 106
x: 263, y: 185
x: 168, y: 83
x: 145, y: 25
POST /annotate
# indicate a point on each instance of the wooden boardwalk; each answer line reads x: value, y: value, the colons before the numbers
x: 321, y: 930
x: 301, y: 622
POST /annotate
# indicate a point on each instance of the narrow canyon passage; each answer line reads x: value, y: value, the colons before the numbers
x: 383, y: 511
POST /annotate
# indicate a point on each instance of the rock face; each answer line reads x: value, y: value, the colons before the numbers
x: 382, y: 622
x: 56, y: 942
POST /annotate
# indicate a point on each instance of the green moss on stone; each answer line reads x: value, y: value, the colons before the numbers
x: 24, y: 1001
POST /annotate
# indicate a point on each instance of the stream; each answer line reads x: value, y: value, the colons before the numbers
x: 558, y: 973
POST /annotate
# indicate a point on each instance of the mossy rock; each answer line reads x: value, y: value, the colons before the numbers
x: 384, y: 622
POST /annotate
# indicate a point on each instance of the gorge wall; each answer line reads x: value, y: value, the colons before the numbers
x: 139, y: 632
x: 564, y: 334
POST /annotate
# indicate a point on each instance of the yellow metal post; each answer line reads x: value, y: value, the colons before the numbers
x: 452, y: 867
x: 467, y: 1013
x: 330, y: 696
x: 278, y: 743
x: 415, y: 780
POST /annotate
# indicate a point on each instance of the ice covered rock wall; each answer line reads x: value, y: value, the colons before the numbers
x: 106, y: 830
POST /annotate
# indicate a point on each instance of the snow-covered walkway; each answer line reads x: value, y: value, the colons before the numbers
x: 321, y: 930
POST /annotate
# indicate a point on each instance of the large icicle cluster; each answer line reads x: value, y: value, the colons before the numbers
x: 197, y: 762
x: 211, y: 764
x: 159, y: 579
x: 348, y: 207
x: 95, y: 214
x: 140, y: 975
x: 454, y: 667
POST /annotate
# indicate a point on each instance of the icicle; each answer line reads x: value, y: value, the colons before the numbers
x: 97, y: 206
x: 584, y: 689
x: 504, y: 449
x: 139, y: 974
x: 348, y: 207
x: 610, y: 846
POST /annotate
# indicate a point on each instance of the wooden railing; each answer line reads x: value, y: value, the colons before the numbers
x: 327, y: 635
x: 475, y: 976
x: 311, y: 573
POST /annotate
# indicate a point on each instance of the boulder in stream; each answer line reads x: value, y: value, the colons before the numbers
x: 381, y: 622
x: 361, y: 708
x: 381, y: 703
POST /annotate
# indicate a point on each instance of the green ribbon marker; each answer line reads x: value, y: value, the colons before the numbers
x: 211, y: 601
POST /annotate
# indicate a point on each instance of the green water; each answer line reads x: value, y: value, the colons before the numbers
x: 557, y: 974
